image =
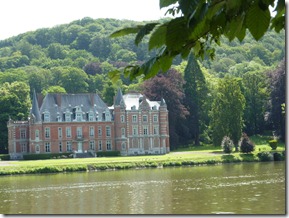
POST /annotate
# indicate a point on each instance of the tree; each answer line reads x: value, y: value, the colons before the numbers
x: 256, y: 95
x: 277, y: 98
x: 15, y: 103
x: 198, y: 25
x: 73, y: 80
x: 227, y: 111
x: 195, y: 95
x: 169, y: 86
x: 53, y: 89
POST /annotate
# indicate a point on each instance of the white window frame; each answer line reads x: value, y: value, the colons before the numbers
x: 145, y: 130
x: 23, y: 147
x: 60, y: 147
x: 99, y: 131
x: 47, y: 147
x: 108, y: 145
x: 122, y: 119
x: 108, y: 131
x: 145, y: 118
x: 155, y: 119
x: 68, y: 146
x: 59, y: 132
x: 134, y: 118
x: 79, y: 132
x: 47, y: 132
x: 22, y: 133
x: 91, y: 131
x: 68, y: 132
x: 92, y: 145
x: 99, y: 145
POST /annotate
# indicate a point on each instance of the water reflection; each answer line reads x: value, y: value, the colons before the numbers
x: 252, y: 188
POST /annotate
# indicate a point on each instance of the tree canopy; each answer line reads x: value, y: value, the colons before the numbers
x: 197, y: 26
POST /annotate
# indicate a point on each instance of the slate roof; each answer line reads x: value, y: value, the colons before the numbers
x: 135, y: 99
x: 58, y: 104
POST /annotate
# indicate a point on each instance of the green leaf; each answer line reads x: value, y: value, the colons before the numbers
x: 188, y: 6
x: 234, y: 27
x: 125, y: 31
x: 166, y: 3
x: 177, y: 34
x: 150, y: 68
x: 158, y: 37
x: 257, y: 21
x: 146, y: 29
x: 165, y: 62
x: 114, y: 76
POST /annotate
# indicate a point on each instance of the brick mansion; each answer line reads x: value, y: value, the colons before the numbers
x: 83, y: 123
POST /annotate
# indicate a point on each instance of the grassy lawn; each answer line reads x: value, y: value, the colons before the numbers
x: 193, y: 155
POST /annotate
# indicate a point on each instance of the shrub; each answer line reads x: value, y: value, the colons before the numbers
x: 278, y: 156
x: 227, y: 145
x: 265, y: 156
x: 4, y: 157
x: 273, y: 144
x: 44, y: 156
x: 246, y: 146
x: 108, y: 153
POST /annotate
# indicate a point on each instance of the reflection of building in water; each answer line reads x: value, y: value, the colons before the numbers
x: 83, y: 123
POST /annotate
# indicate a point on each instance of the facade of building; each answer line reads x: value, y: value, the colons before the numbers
x: 83, y: 123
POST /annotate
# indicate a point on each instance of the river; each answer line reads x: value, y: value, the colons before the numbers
x: 244, y: 188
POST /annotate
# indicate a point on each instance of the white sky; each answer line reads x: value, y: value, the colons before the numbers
x: 19, y: 16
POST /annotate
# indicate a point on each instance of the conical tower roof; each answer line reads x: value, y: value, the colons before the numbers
x: 35, y: 108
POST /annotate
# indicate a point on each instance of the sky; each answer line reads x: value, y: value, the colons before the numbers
x: 20, y: 16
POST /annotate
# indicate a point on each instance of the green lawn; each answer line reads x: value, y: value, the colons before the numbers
x: 193, y: 155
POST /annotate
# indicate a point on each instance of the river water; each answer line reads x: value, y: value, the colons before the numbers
x: 245, y: 188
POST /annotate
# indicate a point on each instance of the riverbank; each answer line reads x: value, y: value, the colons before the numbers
x: 191, y: 157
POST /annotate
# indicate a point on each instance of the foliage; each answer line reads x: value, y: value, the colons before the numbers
x: 196, y: 93
x: 227, y: 111
x: 200, y: 24
x: 169, y: 86
x: 246, y: 146
x: 277, y: 98
x: 278, y: 156
x: 227, y: 145
x: 265, y: 156
x: 273, y: 144
x: 4, y: 157
x: 108, y: 153
x: 45, y: 156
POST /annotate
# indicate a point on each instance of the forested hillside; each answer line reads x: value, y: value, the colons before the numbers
x: 76, y: 58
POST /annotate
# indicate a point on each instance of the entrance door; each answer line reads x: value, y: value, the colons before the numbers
x: 79, y: 147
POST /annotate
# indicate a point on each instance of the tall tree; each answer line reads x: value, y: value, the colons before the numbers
x: 256, y: 95
x: 227, y: 111
x: 277, y: 98
x: 195, y: 95
x: 15, y: 103
x: 170, y: 87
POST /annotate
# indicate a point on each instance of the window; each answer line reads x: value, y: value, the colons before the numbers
x: 68, y: 132
x: 68, y: 116
x: 107, y: 116
x: 134, y: 130
x: 23, y: 147
x: 91, y: 145
x: 99, y: 145
x: 155, y: 118
x: 60, y: 146
x: 134, y: 118
x: 145, y: 130
x: 23, y: 133
x: 37, y: 134
x: 47, y: 132
x: 122, y: 118
x: 37, y: 148
x: 78, y: 117
x: 47, y: 146
x: 145, y: 118
x: 91, y: 131
x: 68, y: 146
x: 108, y: 145
x: 46, y: 116
x: 123, y: 132
x: 156, y: 130
x: 79, y: 132
x: 99, y: 131
x: 59, y: 132
x: 123, y: 146
x: 90, y: 116
x: 108, y: 131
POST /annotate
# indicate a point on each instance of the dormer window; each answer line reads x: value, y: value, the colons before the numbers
x: 107, y: 115
x: 46, y: 116
x: 90, y: 116
x: 78, y: 114
x: 68, y: 116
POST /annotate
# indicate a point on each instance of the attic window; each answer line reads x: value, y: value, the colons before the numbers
x: 90, y: 116
x: 46, y: 116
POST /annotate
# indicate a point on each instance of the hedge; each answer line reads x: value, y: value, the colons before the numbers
x: 108, y: 153
x: 45, y: 156
x: 4, y: 157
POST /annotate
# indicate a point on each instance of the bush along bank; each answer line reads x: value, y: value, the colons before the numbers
x: 228, y: 158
